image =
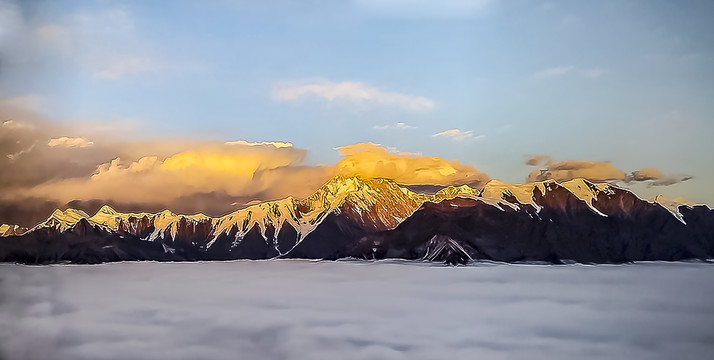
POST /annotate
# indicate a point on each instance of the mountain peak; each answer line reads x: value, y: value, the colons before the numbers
x: 335, y: 190
x: 106, y: 209
x: 69, y: 215
x: 523, y: 193
x: 340, y: 184
x: 585, y: 190
x: 10, y: 230
x: 451, y: 192
x: 62, y: 220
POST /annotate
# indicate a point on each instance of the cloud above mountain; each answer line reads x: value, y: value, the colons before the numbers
x: 49, y: 165
x: 349, y: 91
x: 657, y: 177
x: 373, y: 160
x: 202, y: 168
x: 596, y: 171
x: 247, y: 171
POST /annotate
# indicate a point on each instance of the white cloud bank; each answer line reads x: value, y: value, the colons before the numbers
x: 345, y: 310
x: 356, y: 92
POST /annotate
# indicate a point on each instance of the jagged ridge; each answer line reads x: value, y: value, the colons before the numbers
x: 340, y: 217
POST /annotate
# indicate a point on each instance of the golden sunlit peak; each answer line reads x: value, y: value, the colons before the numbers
x: 106, y: 209
x: 355, y: 181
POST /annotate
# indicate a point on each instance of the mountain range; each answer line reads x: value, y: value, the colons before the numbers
x: 374, y: 218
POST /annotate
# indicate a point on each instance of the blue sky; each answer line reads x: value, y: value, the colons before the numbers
x: 626, y: 81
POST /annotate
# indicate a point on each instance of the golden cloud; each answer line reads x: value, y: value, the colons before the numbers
x: 247, y: 171
x: 46, y: 169
x: 152, y: 179
x: 70, y: 142
x: 373, y: 160
x: 597, y: 171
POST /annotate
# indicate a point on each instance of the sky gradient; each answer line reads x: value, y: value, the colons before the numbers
x: 479, y: 84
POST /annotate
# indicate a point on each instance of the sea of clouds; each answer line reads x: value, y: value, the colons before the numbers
x: 356, y: 310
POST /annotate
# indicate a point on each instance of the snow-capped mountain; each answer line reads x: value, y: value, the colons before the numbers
x: 378, y: 204
x: 11, y: 230
x: 63, y: 220
x: 375, y: 218
x: 546, y: 221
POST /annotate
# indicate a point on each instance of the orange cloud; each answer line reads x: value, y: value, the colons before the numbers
x: 597, y: 171
x: 70, y: 142
x: 229, y: 169
x: 261, y: 172
x: 373, y: 160
x: 657, y: 177
x: 45, y: 169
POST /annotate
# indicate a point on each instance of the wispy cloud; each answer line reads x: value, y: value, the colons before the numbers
x: 126, y: 65
x: 14, y: 125
x: 410, y: 9
x: 397, y: 126
x: 54, y: 38
x: 563, y: 70
x: 17, y: 154
x: 70, y: 142
x: 31, y: 102
x: 593, y: 72
x: 103, y: 42
x: 553, y: 72
x: 459, y: 135
x: 277, y: 144
x: 357, y: 92
x: 599, y: 171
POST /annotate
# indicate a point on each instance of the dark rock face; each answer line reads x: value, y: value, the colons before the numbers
x: 330, y: 240
x: 616, y: 227
x: 444, y: 249
x: 82, y: 244
x: 564, y: 229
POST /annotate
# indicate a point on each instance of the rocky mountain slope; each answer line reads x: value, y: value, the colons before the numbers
x: 376, y: 218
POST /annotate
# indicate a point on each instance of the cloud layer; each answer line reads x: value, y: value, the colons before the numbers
x: 48, y: 165
x: 355, y: 92
x: 597, y: 171
x: 307, y: 310
x: 372, y: 160
x: 86, y: 167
